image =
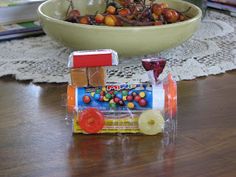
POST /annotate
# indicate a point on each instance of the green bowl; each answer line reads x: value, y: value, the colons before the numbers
x: 127, y: 41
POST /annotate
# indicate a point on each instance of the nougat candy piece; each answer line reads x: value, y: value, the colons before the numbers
x: 79, y: 77
x: 97, y: 76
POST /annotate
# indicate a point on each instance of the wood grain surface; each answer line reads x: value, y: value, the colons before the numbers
x: 35, y: 139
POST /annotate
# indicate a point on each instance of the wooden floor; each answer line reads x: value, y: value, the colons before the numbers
x: 35, y: 139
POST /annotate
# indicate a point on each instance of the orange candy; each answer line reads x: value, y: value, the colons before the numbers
x: 70, y: 96
x: 171, y: 97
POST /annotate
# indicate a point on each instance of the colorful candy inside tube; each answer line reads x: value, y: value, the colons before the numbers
x: 136, y: 108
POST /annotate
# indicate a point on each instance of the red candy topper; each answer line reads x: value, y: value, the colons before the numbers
x: 105, y: 57
x: 154, y: 67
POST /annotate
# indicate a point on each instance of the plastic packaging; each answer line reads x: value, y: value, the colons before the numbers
x: 123, y: 97
x: 137, y: 108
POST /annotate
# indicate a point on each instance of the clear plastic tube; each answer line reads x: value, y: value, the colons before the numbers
x: 139, y: 108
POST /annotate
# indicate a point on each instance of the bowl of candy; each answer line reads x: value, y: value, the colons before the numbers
x: 131, y: 27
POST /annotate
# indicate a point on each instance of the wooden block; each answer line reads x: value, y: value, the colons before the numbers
x: 97, y: 76
x: 79, y: 77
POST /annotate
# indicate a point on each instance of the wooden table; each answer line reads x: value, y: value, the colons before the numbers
x: 35, y: 139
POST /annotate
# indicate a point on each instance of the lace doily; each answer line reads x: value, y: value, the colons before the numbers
x: 212, y: 50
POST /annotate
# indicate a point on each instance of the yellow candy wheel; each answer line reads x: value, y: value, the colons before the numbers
x: 151, y: 122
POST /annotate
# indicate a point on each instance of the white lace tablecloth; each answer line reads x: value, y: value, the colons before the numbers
x: 212, y: 50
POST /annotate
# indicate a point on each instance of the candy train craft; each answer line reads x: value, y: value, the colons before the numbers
x: 123, y: 108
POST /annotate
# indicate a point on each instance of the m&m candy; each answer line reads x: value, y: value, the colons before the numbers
x: 142, y: 94
x: 130, y: 92
x: 124, y: 92
x: 108, y: 96
x: 137, y: 98
x: 105, y: 99
x: 98, y: 91
x: 119, y: 95
x: 112, y: 105
x: 124, y: 98
x: 129, y: 98
x: 86, y: 99
x: 116, y: 100
x: 142, y: 102
x: 130, y: 105
x: 96, y: 96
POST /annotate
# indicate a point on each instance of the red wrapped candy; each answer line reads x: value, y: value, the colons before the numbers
x: 154, y: 67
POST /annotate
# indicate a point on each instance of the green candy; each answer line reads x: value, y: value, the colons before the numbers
x: 108, y: 96
x: 112, y: 105
x: 124, y: 93
x: 98, y: 91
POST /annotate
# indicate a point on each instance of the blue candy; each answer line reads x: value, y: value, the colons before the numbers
x: 119, y: 95
x: 96, y: 96
x: 130, y: 92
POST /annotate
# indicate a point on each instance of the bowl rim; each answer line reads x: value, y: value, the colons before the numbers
x: 114, y: 28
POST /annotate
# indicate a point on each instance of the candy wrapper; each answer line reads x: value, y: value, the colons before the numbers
x: 93, y: 58
x: 154, y: 67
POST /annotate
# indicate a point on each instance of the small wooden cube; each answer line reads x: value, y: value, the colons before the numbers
x: 79, y: 77
x: 97, y: 76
